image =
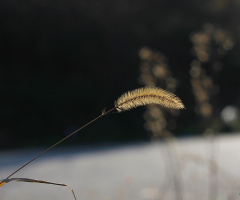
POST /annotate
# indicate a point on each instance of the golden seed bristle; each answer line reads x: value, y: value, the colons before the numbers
x: 148, y: 95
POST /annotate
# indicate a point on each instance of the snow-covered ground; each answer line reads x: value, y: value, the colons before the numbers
x: 186, y: 169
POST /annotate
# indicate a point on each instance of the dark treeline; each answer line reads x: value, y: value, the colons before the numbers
x: 63, y: 62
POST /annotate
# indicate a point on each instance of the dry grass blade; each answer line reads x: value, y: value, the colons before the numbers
x: 28, y: 180
x: 148, y: 95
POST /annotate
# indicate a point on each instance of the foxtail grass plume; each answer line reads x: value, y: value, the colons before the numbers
x: 127, y: 101
x: 148, y: 95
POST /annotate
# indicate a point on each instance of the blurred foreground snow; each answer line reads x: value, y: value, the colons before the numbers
x: 185, y: 169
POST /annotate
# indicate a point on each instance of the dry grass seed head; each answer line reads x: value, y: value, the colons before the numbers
x: 148, y: 95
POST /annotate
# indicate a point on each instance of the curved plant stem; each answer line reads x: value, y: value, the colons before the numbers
x: 60, y: 141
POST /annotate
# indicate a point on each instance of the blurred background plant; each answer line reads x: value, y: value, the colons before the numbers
x: 209, y: 46
x: 155, y: 73
x: 158, y: 121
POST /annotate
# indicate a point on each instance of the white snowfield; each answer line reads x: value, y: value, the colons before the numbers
x: 187, y: 169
